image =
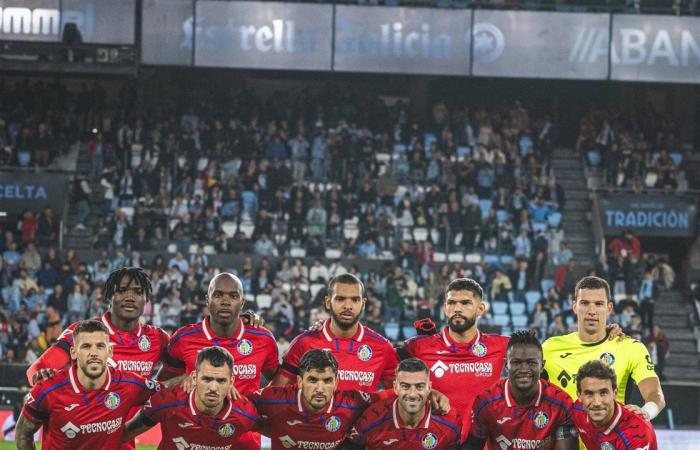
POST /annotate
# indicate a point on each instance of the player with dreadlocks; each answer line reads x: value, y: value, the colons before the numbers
x: 136, y: 347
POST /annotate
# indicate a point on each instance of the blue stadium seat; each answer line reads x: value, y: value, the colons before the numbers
x: 546, y: 285
x: 519, y: 320
x: 517, y: 308
x: 491, y: 259
x: 506, y: 331
x: 594, y: 158
x: 485, y: 206
x: 525, y: 143
x: 499, y: 308
x: 677, y: 158
x: 501, y: 320
x: 408, y: 331
x: 502, y: 215
x: 391, y: 330
x: 463, y: 151
x: 507, y: 260
x: 428, y: 140
x: 539, y: 226
x: 531, y: 298
x: 554, y: 220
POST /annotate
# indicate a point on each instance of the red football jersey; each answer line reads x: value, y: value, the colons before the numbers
x: 460, y: 370
x: 626, y: 431
x: 503, y: 424
x: 293, y: 426
x: 381, y: 427
x: 74, y: 417
x: 254, y: 351
x: 364, y: 360
x: 184, y: 426
x: 138, y: 352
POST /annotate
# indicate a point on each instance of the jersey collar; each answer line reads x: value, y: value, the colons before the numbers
x: 210, y: 334
x: 226, y: 410
x: 107, y: 321
x: 78, y: 388
x: 300, y: 403
x: 329, y: 335
x: 510, y: 401
x: 398, y: 423
x: 617, y: 415
x: 451, y: 343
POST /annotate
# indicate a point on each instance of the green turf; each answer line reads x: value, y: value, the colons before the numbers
x: 4, y: 445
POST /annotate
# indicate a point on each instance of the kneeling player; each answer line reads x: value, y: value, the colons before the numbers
x: 602, y: 422
x: 205, y: 418
x: 407, y: 422
x: 85, y: 405
x: 523, y: 411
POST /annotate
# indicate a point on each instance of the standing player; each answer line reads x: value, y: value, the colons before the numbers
x: 254, y: 350
x: 205, y: 418
x: 523, y: 411
x: 461, y: 355
x: 564, y: 355
x: 407, y: 422
x: 602, y: 422
x: 137, y: 348
x: 365, y: 358
x: 313, y: 413
x: 85, y: 405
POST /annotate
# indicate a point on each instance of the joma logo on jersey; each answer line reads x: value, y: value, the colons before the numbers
x: 364, y: 353
x: 608, y: 358
x: 480, y: 369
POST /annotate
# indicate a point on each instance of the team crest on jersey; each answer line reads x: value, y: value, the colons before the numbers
x: 606, y: 446
x: 244, y: 347
x: 540, y: 420
x: 226, y: 430
x: 479, y: 349
x: 144, y: 344
x: 112, y: 400
x: 364, y: 352
x: 429, y: 441
x: 333, y: 424
x: 608, y: 358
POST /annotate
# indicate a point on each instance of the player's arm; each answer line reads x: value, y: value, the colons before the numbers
x: 473, y: 443
x: 137, y: 425
x: 653, y: 396
x: 173, y: 365
x: 24, y: 433
x: 280, y: 379
x: 56, y: 357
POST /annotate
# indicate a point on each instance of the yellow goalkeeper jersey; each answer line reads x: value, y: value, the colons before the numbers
x: 563, y: 355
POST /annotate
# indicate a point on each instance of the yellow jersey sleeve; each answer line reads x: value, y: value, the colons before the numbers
x: 641, y: 366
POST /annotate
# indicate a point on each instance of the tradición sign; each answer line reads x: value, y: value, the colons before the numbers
x: 649, y: 215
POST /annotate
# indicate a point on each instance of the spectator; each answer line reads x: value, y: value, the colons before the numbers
x: 500, y: 286
x: 265, y: 247
x: 648, y: 294
x: 318, y: 272
x: 659, y: 350
x: 563, y: 256
x: 81, y: 196
x: 47, y: 229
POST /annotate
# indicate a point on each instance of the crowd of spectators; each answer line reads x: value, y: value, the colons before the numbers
x: 638, y: 150
x: 39, y: 120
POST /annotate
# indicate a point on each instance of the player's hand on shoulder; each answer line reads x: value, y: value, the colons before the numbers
x: 43, y: 374
x: 317, y: 325
x: 638, y: 411
x: 188, y: 383
x: 615, y: 332
x: 425, y: 327
x: 439, y: 402
x: 251, y: 318
x: 235, y: 395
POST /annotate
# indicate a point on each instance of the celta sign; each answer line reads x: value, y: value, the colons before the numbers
x: 43, y: 20
x: 32, y: 191
x: 649, y: 215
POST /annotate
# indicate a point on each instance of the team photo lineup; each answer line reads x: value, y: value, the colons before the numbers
x: 350, y: 224
x: 340, y: 384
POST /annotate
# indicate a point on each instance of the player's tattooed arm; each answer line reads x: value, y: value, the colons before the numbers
x: 136, y: 426
x: 24, y: 433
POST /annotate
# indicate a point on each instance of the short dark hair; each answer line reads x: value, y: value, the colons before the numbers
x: 524, y: 337
x: 216, y: 356
x: 592, y: 282
x: 136, y: 274
x: 465, y: 284
x: 90, y: 326
x: 345, y: 278
x: 596, y: 369
x: 317, y: 359
x: 412, y: 365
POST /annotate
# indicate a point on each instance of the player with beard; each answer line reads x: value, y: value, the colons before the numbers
x: 523, y: 411
x: 365, y: 359
x: 460, y: 355
x: 254, y: 349
x: 85, y: 405
x: 136, y: 347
